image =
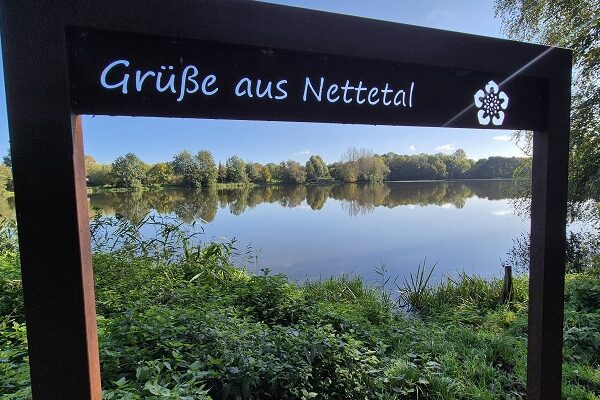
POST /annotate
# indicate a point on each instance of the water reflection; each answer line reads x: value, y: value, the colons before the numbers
x: 309, y: 232
x: 355, y: 199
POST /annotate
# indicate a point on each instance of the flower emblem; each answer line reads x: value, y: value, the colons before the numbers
x: 490, y: 104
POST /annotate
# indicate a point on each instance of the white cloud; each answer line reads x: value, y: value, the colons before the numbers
x: 502, y: 213
x: 412, y: 147
x: 304, y: 152
x: 446, y: 148
x: 502, y: 138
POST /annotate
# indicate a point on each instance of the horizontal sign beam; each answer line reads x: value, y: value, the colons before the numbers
x: 126, y: 74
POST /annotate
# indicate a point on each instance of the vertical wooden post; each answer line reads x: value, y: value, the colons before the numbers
x: 547, y: 265
x: 51, y: 204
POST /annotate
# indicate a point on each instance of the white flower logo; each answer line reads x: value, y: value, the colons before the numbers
x: 490, y: 104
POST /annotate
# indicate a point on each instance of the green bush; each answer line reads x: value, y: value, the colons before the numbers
x: 11, y: 297
x: 14, y: 367
x: 583, y: 291
x: 271, y: 299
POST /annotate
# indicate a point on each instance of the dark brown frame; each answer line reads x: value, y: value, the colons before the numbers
x: 48, y: 167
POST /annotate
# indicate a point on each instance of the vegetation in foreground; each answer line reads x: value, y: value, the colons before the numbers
x: 179, y: 321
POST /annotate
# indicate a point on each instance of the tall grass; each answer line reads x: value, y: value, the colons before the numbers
x: 167, y: 241
x: 470, y: 292
x: 416, y: 290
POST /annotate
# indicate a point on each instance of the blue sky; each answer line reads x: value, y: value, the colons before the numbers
x: 158, y: 139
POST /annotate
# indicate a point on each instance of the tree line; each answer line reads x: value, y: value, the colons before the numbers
x: 356, y: 165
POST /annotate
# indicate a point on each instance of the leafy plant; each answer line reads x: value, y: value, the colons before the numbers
x: 415, y: 292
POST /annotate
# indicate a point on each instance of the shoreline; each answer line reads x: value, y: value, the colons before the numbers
x: 221, y: 186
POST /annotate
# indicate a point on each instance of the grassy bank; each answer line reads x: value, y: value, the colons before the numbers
x: 189, y: 325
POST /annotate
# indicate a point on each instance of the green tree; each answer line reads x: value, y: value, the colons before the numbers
x: 161, y: 174
x: 5, y: 179
x: 275, y: 172
x: 349, y: 169
x: 335, y: 170
x: 457, y: 164
x: 266, y: 172
x: 495, y: 167
x: 293, y: 172
x: 221, y: 172
x: 373, y: 169
x: 207, y: 169
x: 573, y: 24
x: 437, y: 162
x: 182, y: 161
x: 362, y: 165
x: 255, y: 172
x: 7, y: 160
x: 236, y: 170
x: 416, y: 167
x: 186, y: 167
x: 89, y: 163
x: 100, y: 175
x: 316, y: 169
x: 129, y: 171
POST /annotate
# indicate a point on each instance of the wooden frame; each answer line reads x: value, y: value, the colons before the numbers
x: 48, y: 167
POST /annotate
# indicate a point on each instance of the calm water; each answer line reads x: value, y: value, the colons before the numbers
x: 319, y: 231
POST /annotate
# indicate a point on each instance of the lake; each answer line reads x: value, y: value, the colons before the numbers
x: 308, y: 232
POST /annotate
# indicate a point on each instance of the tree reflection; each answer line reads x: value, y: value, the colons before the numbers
x: 195, y: 204
x: 361, y: 199
x: 316, y: 196
x: 356, y: 199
